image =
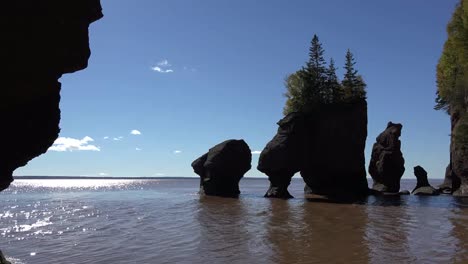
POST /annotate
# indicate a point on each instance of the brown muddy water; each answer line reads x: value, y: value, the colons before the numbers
x: 166, y: 221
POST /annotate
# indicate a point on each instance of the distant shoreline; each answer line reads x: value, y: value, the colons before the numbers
x: 143, y: 178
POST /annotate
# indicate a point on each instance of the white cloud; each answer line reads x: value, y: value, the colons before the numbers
x: 106, y: 137
x: 135, y: 132
x: 162, y: 67
x: 71, y: 144
x: 177, y: 151
x: 159, y: 174
x: 137, y: 149
x: 103, y: 174
x: 159, y: 69
x: 256, y: 152
x: 164, y: 63
x: 118, y: 138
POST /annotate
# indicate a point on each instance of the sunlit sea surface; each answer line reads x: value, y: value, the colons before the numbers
x: 166, y: 221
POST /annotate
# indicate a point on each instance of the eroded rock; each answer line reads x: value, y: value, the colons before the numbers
x: 41, y: 41
x: 423, y: 187
x: 326, y: 146
x: 222, y: 167
x: 387, y: 164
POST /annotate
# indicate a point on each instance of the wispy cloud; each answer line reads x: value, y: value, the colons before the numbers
x: 118, y: 138
x: 138, y: 149
x: 103, y: 174
x: 135, y: 132
x: 256, y: 152
x: 106, y: 137
x: 162, y: 67
x: 71, y: 144
x: 159, y: 174
x: 177, y: 151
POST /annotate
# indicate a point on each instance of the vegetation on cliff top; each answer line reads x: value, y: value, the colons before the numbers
x: 317, y: 84
x: 452, y: 72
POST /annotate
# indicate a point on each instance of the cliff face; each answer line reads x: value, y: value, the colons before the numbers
x: 458, y: 159
x: 41, y: 41
x: 334, y: 161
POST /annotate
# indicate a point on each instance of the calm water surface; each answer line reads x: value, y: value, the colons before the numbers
x: 166, y: 221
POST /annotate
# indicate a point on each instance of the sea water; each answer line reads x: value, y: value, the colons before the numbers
x: 166, y: 221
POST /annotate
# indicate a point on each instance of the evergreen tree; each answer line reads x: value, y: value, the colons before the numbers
x: 335, y: 91
x: 315, y: 87
x: 353, y: 84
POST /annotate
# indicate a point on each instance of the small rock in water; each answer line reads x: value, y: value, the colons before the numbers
x: 3, y: 259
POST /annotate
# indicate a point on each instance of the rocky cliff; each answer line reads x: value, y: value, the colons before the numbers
x: 41, y: 41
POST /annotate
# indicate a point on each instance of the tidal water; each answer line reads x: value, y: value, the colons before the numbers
x: 166, y: 221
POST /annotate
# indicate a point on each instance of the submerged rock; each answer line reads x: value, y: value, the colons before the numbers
x: 222, y: 167
x: 282, y: 156
x: 423, y: 187
x: 387, y: 164
x: 3, y: 259
x: 326, y: 146
x: 53, y: 36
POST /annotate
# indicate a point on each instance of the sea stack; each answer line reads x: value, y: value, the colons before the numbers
x: 53, y: 36
x: 222, y: 167
x: 282, y: 156
x: 326, y: 146
x: 423, y: 187
x: 387, y: 164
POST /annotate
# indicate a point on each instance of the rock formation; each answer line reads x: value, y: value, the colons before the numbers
x: 449, y: 181
x: 41, y: 41
x: 282, y: 156
x: 423, y: 187
x: 459, y: 157
x: 387, y: 164
x: 3, y: 259
x: 222, y: 167
x: 326, y: 146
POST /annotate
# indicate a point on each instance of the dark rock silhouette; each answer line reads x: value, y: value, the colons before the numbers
x: 387, y: 164
x: 446, y: 186
x: 458, y: 160
x: 326, y: 146
x: 423, y: 187
x: 282, y: 156
x: 3, y: 259
x: 42, y: 40
x: 222, y: 167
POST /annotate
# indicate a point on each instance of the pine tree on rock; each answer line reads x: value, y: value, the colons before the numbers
x: 353, y: 84
x: 335, y: 90
x: 315, y: 87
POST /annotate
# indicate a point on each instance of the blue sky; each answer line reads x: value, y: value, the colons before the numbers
x: 189, y: 74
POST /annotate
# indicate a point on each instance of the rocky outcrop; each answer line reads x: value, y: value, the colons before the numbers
x: 3, y: 259
x: 422, y: 186
x: 222, y: 167
x: 326, y: 146
x: 387, y: 164
x: 446, y: 186
x: 282, y: 156
x: 459, y: 156
x: 41, y: 41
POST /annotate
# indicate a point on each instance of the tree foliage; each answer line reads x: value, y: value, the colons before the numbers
x: 317, y: 84
x: 452, y: 75
x: 452, y: 71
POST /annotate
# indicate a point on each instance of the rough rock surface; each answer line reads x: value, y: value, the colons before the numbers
x: 387, y: 164
x: 3, y: 259
x: 282, y: 156
x: 222, y: 167
x: 422, y: 186
x: 41, y: 41
x: 326, y: 146
x: 458, y: 161
x: 446, y: 186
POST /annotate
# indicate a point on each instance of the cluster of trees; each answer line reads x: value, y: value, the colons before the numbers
x: 317, y: 84
x: 452, y: 72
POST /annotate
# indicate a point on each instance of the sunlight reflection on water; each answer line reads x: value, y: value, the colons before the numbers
x: 75, y: 183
